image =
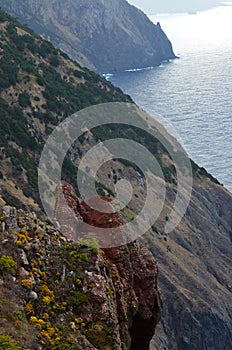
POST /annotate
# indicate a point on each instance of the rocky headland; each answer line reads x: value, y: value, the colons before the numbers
x: 103, y: 35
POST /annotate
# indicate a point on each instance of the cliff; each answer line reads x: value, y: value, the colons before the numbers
x: 194, y: 273
x: 40, y: 87
x: 194, y: 259
x: 56, y: 294
x: 104, y: 35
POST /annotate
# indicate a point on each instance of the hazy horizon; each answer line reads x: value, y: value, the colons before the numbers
x: 159, y: 6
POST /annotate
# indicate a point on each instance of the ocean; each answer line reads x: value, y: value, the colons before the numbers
x: 192, y: 94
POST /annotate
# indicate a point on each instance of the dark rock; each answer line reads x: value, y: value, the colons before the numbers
x: 194, y: 276
x: 139, y: 313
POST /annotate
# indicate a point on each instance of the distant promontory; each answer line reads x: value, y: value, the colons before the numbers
x: 104, y: 35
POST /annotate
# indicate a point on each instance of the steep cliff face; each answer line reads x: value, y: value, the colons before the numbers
x: 195, y: 274
x: 194, y: 260
x: 140, y: 314
x: 105, y: 35
x: 64, y: 295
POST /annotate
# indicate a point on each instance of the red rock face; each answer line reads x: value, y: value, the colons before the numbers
x: 138, y: 301
x: 103, y: 217
x: 68, y: 205
x: 135, y: 271
x: 67, y: 210
x: 80, y: 219
x: 70, y: 196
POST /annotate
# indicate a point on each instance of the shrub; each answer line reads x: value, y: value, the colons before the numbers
x: 40, y: 80
x: 77, y: 74
x: 7, y: 264
x: 7, y: 343
x: 55, y: 61
x: 26, y: 284
x: 77, y: 257
x: 24, y: 99
x: 45, y: 49
x: 100, y: 336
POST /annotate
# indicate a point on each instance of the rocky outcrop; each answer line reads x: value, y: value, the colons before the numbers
x: 104, y: 35
x: 138, y: 302
x: 144, y: 320
x: 73, y: 295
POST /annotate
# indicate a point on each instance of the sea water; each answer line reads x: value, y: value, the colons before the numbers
x: 192, y: 94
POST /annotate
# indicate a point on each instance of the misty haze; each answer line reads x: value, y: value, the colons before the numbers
x: 168, y: 6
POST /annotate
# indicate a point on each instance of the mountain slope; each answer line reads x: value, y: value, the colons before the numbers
x: 103, y: 35
x: 40, y: 86
x: 195, y: 259
x: 195, y: 274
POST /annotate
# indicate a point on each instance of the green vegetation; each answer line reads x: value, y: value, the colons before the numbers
x: 127, y: 214
x: 13, y: 127
x: 7, y: 264
x: 154, y: 229
x: 99, y: 336
x: 6, y: 343
x: 150, y: 142
x: 54, y: 60
x: 197, y: 171
x: 40, y: 87
x: 76, y: 257
x: 31, y: 63
x: 24, y: 99
x: 102, y: 190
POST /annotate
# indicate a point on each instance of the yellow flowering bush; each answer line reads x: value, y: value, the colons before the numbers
x: 43, y: 275
x: 37, y: 230
x: 33, y: 263
x: 28, y: 309
x: 46, y: 330
x: 21, y: 223
x: 26, y: 284
x: 47, y: 300
x: 47, y: 292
